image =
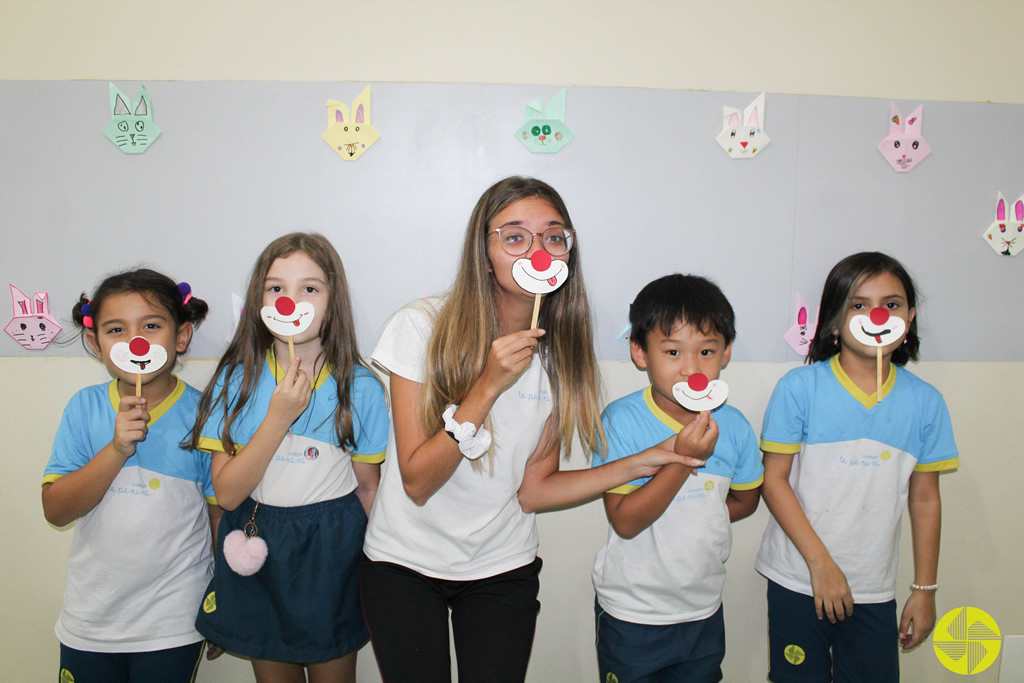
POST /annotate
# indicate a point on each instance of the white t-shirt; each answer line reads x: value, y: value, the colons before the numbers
x: 473, y: 527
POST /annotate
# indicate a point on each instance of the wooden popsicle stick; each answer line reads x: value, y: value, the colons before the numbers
x: 291, y: 350
x: 878, y: 383
x: 138, y: 386
x: 536, y: 310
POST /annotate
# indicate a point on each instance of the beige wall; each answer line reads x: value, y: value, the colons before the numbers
x: 926, y: 49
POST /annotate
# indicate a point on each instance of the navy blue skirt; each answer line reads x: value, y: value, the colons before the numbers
x: 303, y: 604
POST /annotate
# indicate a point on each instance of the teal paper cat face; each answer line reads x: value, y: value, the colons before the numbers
x: 545, y: 131
x: 131, y: 128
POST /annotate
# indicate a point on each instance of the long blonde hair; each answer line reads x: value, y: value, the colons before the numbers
x: 467, y: 323
x: 248, y: 348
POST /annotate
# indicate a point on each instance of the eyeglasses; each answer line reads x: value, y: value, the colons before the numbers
x: 517, y: 240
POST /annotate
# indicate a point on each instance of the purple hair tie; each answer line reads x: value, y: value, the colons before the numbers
x: 185, y: 289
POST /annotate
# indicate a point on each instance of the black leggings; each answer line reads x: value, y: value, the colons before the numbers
x: 493, y: 621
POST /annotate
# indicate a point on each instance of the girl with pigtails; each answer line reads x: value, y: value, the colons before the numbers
x: 143, y: 507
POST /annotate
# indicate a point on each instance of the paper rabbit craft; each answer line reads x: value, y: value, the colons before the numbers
x: 32, y: 325
x: 744, y: 138
x: 801, y: 334
x: 350, y: 134
x: 545, y: 131
x: 1006, y: 234
x: 131, y: 128
x: 904, y: 148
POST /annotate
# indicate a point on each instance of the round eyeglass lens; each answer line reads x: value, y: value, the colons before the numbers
x: 516, y: 241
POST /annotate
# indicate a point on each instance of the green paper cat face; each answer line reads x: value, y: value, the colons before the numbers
x: 131, y: 128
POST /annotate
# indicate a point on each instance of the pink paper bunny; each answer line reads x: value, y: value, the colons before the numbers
x: 32, y: 325
x: 904, y: 147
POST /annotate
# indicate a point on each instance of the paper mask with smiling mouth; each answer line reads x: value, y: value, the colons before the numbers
x: 287, y: 318
x: 877, y: 328
x: 699, y: 394
x: 138, y: 356
x: 540, y: 274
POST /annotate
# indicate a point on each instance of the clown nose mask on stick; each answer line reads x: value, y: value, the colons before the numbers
x: 539, y: 275
x: 138, y: 357
x: 286, y: 318
x: 700, y: 394
x: 877, y: 329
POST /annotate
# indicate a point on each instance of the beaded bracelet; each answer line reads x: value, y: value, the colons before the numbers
x: 915, y: 587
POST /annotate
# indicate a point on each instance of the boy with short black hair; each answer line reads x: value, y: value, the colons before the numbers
x: 659, y: 577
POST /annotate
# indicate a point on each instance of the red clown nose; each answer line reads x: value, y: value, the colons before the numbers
x: 138, y: 346
x: 541, y: 260
x: 879, y: 316
x: 284, y: 305
x: 697, y: 382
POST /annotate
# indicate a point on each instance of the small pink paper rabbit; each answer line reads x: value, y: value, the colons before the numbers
x: 904, y: 147
x: 32, y: 325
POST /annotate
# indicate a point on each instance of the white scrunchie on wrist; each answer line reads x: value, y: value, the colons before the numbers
x: 472, y: 442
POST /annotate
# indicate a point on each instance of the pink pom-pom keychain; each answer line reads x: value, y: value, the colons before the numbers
x: 244, y: 551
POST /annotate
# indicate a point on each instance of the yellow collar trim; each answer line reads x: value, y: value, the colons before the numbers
x: 866, y: 400
x: 156, y: 412
x: 279, y: 371
x: 664, y: 417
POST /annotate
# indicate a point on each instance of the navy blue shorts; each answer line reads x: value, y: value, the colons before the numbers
x: 303, y: 604
x: 173, y: 665
x: 688, y: 652
x: 801, y: 647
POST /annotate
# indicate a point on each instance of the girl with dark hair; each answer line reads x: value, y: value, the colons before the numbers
x: 482, y: 405
x: 296, y: 447
x: 141, y: 554
x: 840, y: 465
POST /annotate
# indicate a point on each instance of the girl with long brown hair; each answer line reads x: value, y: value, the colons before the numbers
x: 296, y: 452
x: 482, y: 405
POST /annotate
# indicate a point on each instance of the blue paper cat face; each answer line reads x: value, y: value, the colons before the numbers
x: 131, y: 128
x: 545, y: 131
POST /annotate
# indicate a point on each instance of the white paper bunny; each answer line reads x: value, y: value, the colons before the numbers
x: 744, y: 138
x: 1006, y: 234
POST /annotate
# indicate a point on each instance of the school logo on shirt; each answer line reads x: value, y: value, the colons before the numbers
x: 867, y: 460
x: 967, y: 640
x: 154, y: 483
x: 312, y: 453
x: 709, y: 485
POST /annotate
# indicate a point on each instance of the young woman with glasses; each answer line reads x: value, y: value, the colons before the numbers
x: 482, y: 405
